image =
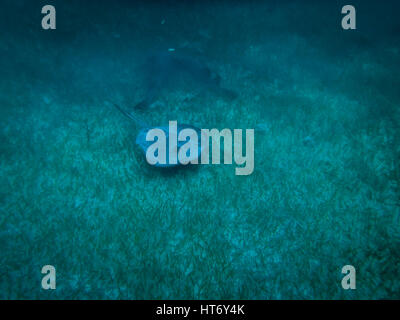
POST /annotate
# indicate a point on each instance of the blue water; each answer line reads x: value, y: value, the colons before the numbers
x: 76, y: 191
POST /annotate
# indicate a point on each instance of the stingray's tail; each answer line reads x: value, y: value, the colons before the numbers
x: 140, y: 122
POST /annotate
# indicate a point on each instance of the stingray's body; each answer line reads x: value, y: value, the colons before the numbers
x: 143, y: 144
x: 168, y: 71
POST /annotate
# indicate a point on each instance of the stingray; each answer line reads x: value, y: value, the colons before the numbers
x: 168, y: 71
x: 144, y: 128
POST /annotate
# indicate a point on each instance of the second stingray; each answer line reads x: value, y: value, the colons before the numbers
x: 168, y: 71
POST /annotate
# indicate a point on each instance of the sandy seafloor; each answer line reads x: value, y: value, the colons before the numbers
x: 76, y: 193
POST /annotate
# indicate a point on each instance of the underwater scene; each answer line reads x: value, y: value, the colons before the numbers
x: 302, y: 198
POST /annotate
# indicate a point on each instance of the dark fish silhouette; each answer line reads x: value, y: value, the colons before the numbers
x: 170, y: 70
x: 144, y: 128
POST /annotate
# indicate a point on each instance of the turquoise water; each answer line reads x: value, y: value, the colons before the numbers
x: 76, y: 191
